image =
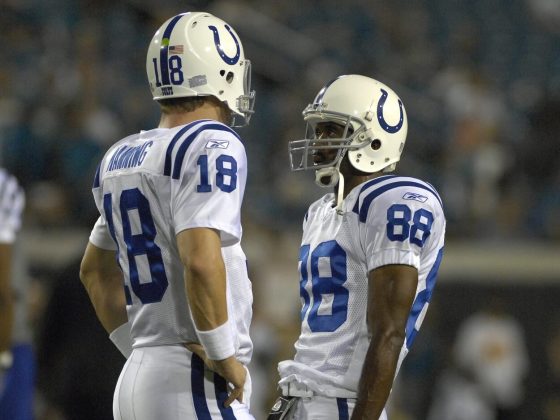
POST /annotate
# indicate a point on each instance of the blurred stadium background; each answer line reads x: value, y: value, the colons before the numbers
x: 481, y: 82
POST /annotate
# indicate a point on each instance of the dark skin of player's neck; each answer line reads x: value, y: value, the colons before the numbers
x: 209, y: 110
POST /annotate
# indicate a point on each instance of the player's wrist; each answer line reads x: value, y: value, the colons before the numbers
x: 6, y: 360
x: 218, y: 343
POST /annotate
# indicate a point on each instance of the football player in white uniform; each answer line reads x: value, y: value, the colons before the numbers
x: 169, y: 202
x: 17, y: 361
x: 369, y: 256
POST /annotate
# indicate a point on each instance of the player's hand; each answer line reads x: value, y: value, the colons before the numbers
x: 230, y: 369
x: 6, y: 360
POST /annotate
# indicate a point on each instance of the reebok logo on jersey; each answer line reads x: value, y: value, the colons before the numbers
x: 217, y: 144
x: 414, y: 196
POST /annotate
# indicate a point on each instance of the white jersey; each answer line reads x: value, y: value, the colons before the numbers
x: 387, y: 220
x: 12, y: 201
x: 151, y: 186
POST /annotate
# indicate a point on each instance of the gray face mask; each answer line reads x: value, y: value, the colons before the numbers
x: 316, y: 152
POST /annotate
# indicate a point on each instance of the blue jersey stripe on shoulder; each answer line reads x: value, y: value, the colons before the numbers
x: 366, y: 186
x: 96, y: 180
x: 169, y: 151
x: 180, y: 156
x: 363, y: 211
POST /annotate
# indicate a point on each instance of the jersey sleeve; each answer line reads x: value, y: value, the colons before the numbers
x: 210, y: 188
x: 97, y: 189
x: 101, y: 237
x: 399, y: 225
x: 12, y: 202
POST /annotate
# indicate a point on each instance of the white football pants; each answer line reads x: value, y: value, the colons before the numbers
x: 324, y: 408
x: 171, y: 383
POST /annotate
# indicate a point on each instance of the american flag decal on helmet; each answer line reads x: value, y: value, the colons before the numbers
x: 175, y: 49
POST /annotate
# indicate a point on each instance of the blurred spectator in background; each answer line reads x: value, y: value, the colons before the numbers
x: 77, y: 363
x: 490, y: 364
x: 551, y: 403
x: 419, y: 371
x: 457, y: 397
x: 17, y: 363
x: 475, y: 159
x: 539, y: 157
x: 267, y: 347
x: 547, y: 12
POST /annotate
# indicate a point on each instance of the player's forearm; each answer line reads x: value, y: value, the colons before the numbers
x: 206, y: 293
x: 377, y: 375
x: 6, y: 297
x: 205, y: 284
x: 111, y: 314
x: 109, y: 302
x: 6, y: 321
x: 103, y: 281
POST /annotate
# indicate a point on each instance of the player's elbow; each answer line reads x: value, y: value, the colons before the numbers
x: 85, y: 272
x: 90, y: 266
x: 113, y: 300
x: 6, y: 304
x: 6, y: 296
x: 88, y: 272
x: 392, y: 336
x: 202, y: 266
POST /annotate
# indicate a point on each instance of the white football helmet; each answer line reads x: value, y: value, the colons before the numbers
x: 198, y: 54
x: 375, y: 128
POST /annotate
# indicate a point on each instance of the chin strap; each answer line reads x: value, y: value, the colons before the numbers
x: 340, y: 194
x: 326, y: 177
x: 334, y: 177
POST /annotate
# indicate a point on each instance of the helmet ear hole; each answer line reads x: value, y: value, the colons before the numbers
x: 376, y: 144
x: 229, y: 76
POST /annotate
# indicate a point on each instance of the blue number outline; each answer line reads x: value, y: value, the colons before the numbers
x: 418, y: 225
x: 139, y: 244
x: 303, y: 256
x: 324, y: 285
x: 176, y: 68
x: 222, y: 172
x: 409, y: 231
x: 393, y: 221
x: 108, y: 209
x: 204, y: 186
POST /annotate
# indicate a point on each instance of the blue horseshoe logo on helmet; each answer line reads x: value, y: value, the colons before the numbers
x: 388, y: 128
x: 229, y: 60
